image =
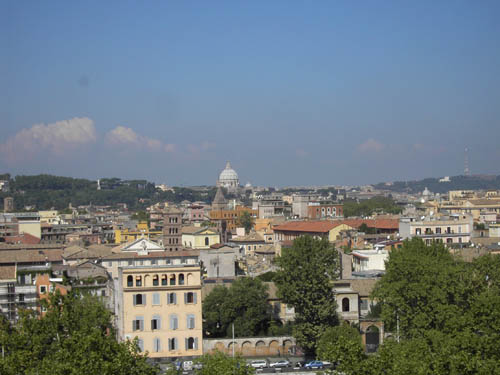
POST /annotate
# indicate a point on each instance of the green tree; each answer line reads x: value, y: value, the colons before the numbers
x: 244, y: 304
x: 305, y: 281
x: 74, y: 337
x: 222, y: 364
x: 342, y: 346
x: 140, y: 216
x: 246, y: 221
x: 422, y: 288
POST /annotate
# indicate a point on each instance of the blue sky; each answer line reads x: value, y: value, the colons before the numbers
x: 291, y: 92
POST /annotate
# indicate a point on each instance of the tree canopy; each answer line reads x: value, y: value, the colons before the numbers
x: 305, y: 281
x: 244, y: 303
x: 246, y: 221
x: 75, y: 337
x: 222, y: 364
x: 369, y: 206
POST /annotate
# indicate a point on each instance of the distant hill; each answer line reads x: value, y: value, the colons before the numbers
x: 476, y: 182
x: 44, y: 192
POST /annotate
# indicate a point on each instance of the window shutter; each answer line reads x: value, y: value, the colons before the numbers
x: 158, y: 322
x: 185, y: 298
x: 133, y: 297
x: 169, y: 344
x: 176, y: 323
x: 133, y: 325
x: 168, y: 298
x: 141, y: 322
x: 171, y: 322
x: 175, y: 298
x: 194, y: 297
x: 152, y: 324
x: 196, y: 342
x: 144, y: 299
x: 186, y: 342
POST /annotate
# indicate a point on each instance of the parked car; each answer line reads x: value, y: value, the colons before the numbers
x: 299, y: 364
x: 258, y: 363
x: 282, y: 363
x: 314, y: 365
x: 187, y: 365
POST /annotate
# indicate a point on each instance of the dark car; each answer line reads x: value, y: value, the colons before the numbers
x: 314, y: 365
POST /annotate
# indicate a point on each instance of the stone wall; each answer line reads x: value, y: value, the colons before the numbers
x: 251, y: 346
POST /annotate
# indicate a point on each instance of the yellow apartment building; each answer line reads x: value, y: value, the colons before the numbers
x: 161, y: 306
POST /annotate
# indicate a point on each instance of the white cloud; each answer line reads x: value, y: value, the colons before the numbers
x: 56, y: 138
x: 370, y: 145
x: 122, y: 135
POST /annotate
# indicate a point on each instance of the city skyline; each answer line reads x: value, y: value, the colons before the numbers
x: 290, y: 94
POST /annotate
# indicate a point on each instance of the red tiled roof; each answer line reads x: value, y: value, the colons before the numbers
x: 7, y: 272
x: 373, y: 223
x: 30, y: 256
x: 323, y: 226
x: 24, y: 238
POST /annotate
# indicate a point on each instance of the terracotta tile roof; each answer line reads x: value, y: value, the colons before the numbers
x: 323, y: 226
x: 7, y: 272
x: 24, y: 238
x: 252, y: 237
x: 21, y: 246
x: 30, y: 256
x: 191, y: 229
x: 373, y: 223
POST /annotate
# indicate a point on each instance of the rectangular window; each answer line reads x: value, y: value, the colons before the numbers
x: 156, y: 298
x: 110, y: 264
x: 172, y: 298
x: 172, y: 344
x: 364, y: 304
x: 157, y: 345
x: 139, y: 299
x: 138, y: 323
x: 190, y: 321
x: 155, y: 323
x: 174, y: 322
x: 43, y: 289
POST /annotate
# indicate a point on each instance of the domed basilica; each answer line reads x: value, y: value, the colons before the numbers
x: 228, y: 179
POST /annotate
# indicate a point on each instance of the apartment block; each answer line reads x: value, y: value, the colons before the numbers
x: 161, y: 306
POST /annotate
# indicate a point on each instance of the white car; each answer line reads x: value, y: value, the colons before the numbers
x: 280, y: 364
x: 187, y: 365
x: 258, y: 363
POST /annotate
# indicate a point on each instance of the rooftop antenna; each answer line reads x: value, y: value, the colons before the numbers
x: 466, y: 163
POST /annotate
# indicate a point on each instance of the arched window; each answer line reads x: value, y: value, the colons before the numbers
x: 181, y: 279
x: 155, y: 280
x: 206, y: 241
x: 130, y: 280
x: 190, y: 343
x: 138, y: 281
x: 164, y: 279
x: 172, y: 279
x: 345, y: 304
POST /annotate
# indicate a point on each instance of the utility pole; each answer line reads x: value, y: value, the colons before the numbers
x: 397, y: 326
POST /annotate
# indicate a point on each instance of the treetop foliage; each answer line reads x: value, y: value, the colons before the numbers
x: 47, y: 192
x: 305, y: 281
x: 244, y: 303
x: 370, y: 206
x: 75, y: 337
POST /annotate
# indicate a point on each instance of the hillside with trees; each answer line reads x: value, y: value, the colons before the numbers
x: 44, y: 192
x: 480, y: 182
